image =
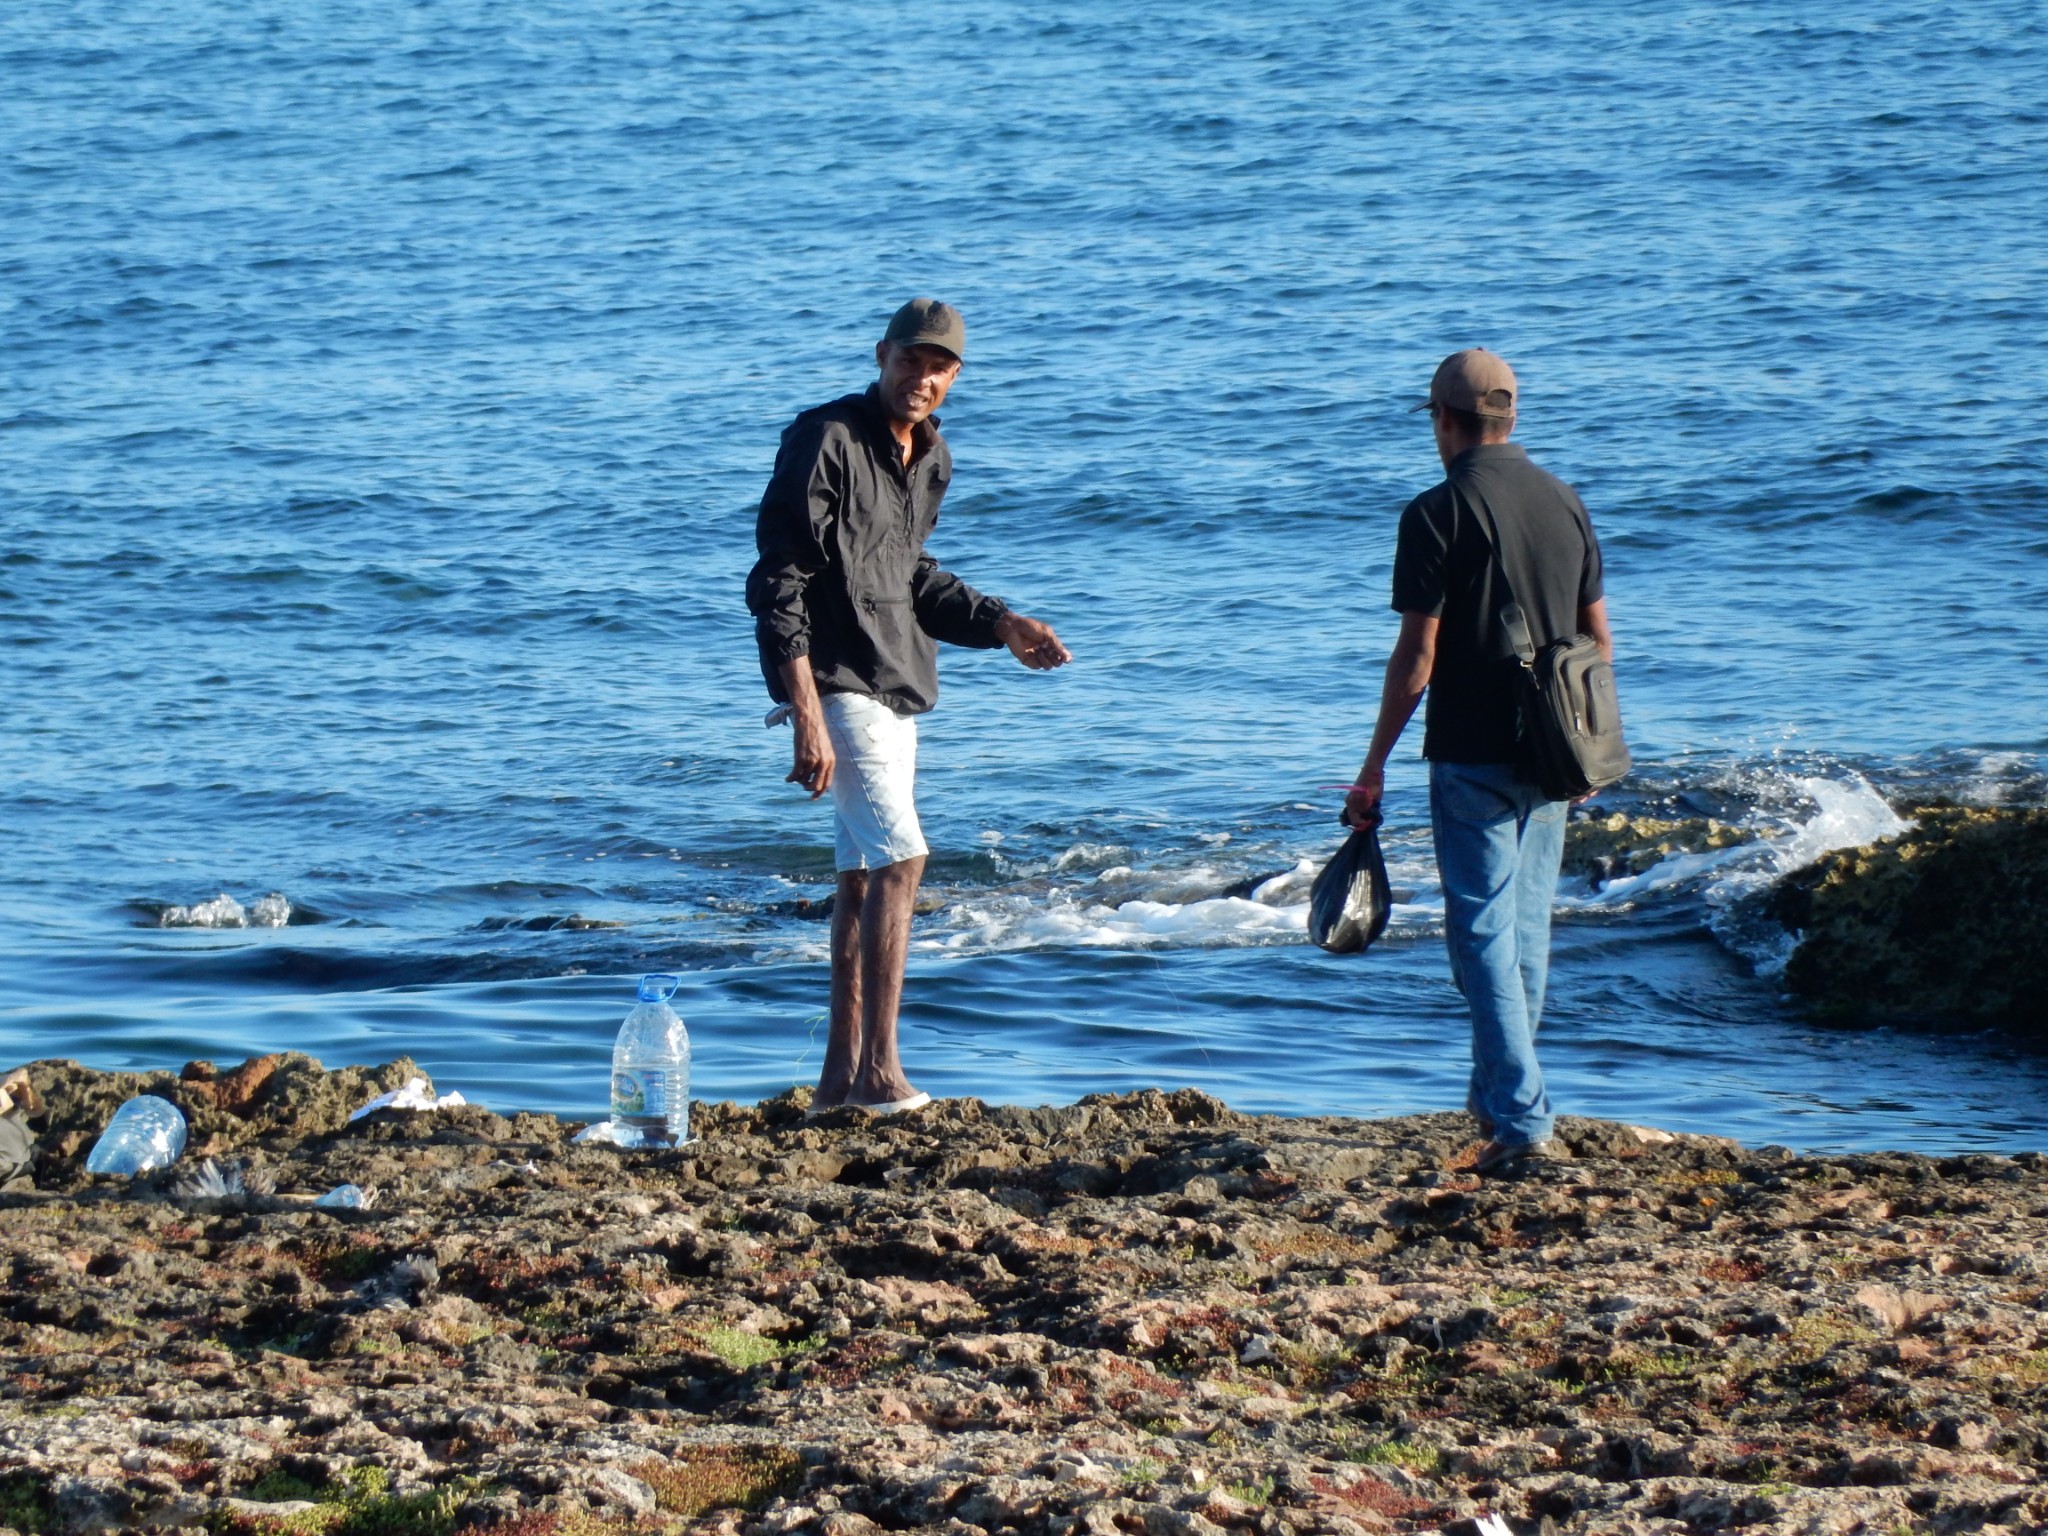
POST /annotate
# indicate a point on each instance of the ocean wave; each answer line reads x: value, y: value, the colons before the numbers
x: 272, y: 910
x: 1212, y: 896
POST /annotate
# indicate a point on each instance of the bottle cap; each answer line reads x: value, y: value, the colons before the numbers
x: 658, y: 989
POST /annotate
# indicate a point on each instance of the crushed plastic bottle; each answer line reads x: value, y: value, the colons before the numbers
x: 651, y: 1071
x: 146, y: 1133
x: 344, y: 1197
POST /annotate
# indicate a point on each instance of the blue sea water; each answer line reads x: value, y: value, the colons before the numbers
x: 385, y: 391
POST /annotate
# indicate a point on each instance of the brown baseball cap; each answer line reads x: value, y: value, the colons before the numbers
x: 1474, y: 380
x: 928, y: 323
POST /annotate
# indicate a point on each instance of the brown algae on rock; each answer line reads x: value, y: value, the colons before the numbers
x: 1142, y: 1313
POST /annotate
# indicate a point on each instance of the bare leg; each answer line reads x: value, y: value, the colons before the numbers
x: 884, y: 946
x: 842, y: 1045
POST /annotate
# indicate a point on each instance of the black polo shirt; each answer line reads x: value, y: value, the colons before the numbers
x: 1443, y: 567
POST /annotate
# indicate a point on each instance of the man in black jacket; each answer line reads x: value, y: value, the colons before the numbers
x: 1498, y: 839
x: 847, y: 605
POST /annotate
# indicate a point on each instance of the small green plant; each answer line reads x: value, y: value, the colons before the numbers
x: 23, y: 1505
x: 1395, y: 1453
x: 359, y: 1504
x: 1257, y: 1493
x: 1142, y: 1472
x: 275, y: 1487
x: 1228, y: 1388
x: 431, y: 1513
x: 367, y: 1482
x: 546, y: 1319
x: 744, y: 1351
x: 699, y: 1479
x: 1640, y: 1365
x: 1814, y: 1335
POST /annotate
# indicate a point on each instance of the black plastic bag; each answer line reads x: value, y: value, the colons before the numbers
x: 1349, y: 904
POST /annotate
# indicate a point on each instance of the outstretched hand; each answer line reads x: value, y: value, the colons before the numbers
x: 1032, y: 642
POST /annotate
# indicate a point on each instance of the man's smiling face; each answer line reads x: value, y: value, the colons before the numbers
x: 914, y: 379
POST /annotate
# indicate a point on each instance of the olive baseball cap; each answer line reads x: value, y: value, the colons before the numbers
x: 1474, y: 380
x: 928, y: 323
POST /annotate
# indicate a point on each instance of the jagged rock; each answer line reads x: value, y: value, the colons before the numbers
x: 1945, y: 924
x: 1213, y: 1334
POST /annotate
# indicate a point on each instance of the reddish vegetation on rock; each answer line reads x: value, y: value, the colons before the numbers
x: 1142, y: 1314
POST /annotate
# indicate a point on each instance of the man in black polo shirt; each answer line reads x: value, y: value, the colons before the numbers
x: 847, y: 604
x: 1498, y: 841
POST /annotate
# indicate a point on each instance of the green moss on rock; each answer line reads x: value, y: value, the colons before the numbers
x: 1944, y: 924
x: 1608, y: 847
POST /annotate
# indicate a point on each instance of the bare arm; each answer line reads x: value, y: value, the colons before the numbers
x: 814, y: 759
x: 1593, y: 621
x: 1408, y: 673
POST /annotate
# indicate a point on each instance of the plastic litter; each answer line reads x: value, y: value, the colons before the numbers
x: 146, y: 1133
x: 208, y: 1180
x: 400, y: 1286
x: 651, y: 1071
x: 345, y: 1197
x: 607, y: 1133
x: 1350, y: 902
x: 416, y: 1094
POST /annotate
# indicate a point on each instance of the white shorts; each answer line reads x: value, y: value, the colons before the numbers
x: 873, y: 783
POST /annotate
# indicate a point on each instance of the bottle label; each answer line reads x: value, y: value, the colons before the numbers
x: 639, y: 1094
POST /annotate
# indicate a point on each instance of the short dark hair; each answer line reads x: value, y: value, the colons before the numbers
x: 1472, y: 424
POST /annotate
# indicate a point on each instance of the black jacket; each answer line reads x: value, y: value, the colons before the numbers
x: 843, y: 575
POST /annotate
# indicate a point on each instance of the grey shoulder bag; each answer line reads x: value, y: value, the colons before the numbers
x: 1570, y: 733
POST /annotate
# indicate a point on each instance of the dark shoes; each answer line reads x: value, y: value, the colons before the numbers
x: 1500, y: 1156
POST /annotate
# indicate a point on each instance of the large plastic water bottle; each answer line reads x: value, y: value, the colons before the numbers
x: 146, y: 1133
x: 651, y: 1070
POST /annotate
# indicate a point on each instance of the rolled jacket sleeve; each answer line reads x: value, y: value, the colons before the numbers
x: 948, y: 609
x: 790, y: 534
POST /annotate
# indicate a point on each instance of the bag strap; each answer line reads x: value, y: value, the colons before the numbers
x: 1510, y: 614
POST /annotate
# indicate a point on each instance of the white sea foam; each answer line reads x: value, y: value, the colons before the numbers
x: 223, y: 911
x: 1841, y: 812
x: 1207, y: 904
x: 271, y: 911
x: 1021, y: 922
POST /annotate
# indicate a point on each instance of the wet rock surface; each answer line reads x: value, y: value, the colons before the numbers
x: 1608, y: 847
x: 1945, y: 924
x: 1143, y: 1314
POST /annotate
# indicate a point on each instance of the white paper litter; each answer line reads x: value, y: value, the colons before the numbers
x: 610, y: 1133
x: 414, y: 1095
x: 607, y: 1133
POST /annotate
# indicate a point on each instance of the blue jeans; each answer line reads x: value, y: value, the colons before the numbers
x: 1498, y: 847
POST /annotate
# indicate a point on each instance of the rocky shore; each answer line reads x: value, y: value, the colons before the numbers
x: 1144, y: 1314
x: 1946, y: 924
